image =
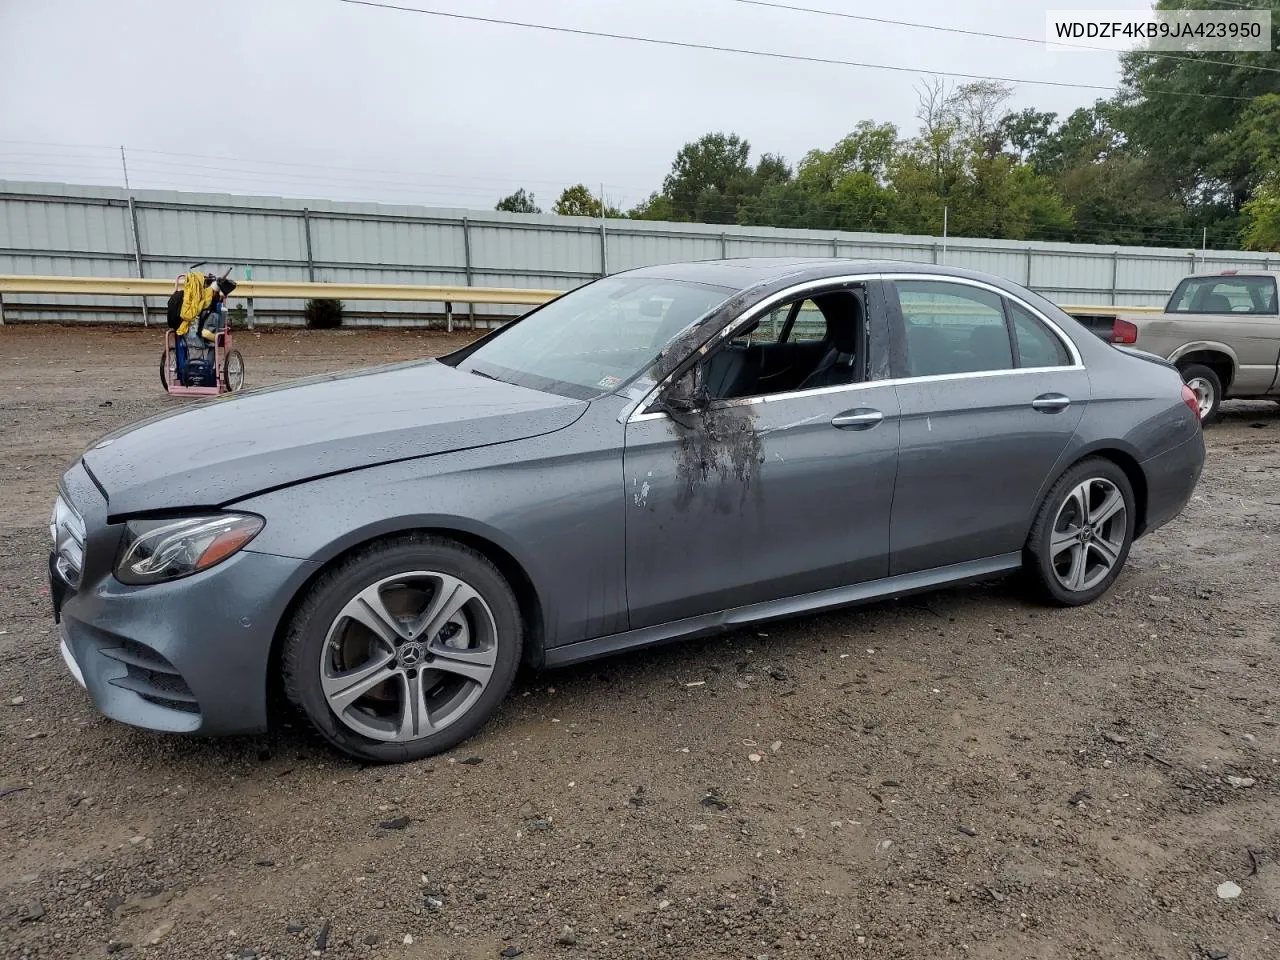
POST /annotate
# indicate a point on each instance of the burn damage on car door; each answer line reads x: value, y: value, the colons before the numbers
x: 720, y: 443
x: 723, y: 443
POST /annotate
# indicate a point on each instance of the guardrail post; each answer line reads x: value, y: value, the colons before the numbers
x: 248, y: 275
x: 1028, y: 283
x: 137, y: 254
x: 466, y: 253
x: 448, y: 317
x: 604, y: 249
x: 835, y: 248
x: 1, y: 311
x: 306, y: 230
x: 1115, y: 276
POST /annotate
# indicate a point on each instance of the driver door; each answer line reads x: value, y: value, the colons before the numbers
x: 763, y: 496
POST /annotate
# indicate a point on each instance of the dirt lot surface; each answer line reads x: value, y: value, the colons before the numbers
x: 960, y: 775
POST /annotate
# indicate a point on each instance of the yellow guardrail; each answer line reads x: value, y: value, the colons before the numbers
x: 279, y: 290
x: 289, y: 290
x: 1104, y: 309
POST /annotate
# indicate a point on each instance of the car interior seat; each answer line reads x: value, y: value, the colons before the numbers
x: 843, y: 313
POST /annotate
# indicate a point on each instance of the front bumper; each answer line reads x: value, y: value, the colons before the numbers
x: 1171, y: 480
x: 190, y: 656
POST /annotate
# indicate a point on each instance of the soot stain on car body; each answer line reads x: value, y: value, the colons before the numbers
x: 720, y: 453
x: 696, y: 339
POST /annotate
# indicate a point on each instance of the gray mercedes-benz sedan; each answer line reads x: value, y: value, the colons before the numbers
x: 659, y: 454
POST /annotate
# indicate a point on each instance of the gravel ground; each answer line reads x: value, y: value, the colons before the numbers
x: 960, y: 775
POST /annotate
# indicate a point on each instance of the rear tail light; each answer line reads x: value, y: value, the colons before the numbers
x: 1191, y: 400
x: 1122, y: 331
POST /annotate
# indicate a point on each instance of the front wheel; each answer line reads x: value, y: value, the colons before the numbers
x: 403, y: 650
x: 164, y: 369
x: 233, y: 371
x: 1082, y: 534
x: 1207, y: 387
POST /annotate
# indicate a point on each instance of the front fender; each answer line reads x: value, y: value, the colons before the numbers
x: 555, y: 507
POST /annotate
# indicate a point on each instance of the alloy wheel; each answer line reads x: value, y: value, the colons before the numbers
x: 408, y: 656
x: 1088, y: 535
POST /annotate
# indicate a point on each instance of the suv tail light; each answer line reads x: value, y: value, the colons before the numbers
x: 1191, y: 400
x: 1122, y: 331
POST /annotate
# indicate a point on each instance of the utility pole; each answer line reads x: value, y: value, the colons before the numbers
x: 133, y: 222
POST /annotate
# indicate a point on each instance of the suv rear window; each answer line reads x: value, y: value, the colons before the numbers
x: 1224, y: 295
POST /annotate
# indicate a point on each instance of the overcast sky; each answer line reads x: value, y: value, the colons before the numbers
x: 322, y: 99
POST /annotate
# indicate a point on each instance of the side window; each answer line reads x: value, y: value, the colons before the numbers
x: 810, y: 325
x: 806, y: 345
x: 953, y: 328
x: 1037, y: 345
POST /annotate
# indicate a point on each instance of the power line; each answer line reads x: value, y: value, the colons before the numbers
x: 746, y: 51
x: 769, y: 4
x: 291, y: 165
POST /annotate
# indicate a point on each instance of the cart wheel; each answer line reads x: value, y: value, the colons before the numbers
x: 233, y: 371
x: 164, y: 373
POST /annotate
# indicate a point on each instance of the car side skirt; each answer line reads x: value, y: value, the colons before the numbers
x: 723, y: 620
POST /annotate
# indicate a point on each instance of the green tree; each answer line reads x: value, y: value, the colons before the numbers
x: 869, y: 149
x: 707, y: 166
x: 1026, y: 131
x: 1262, y: 216
x: 578, y: 201
x: 518, y: 202
x: 1164, y: 113
x: 656, y: 206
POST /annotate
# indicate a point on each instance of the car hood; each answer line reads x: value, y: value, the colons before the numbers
x: 237, y: 445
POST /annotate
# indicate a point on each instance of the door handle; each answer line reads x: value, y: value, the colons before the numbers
x: 1050, y: 403
x: 863, y: 418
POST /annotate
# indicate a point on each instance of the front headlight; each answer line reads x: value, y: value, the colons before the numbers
x: 154, y: 551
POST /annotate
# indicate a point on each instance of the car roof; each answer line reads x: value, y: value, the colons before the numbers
x: 746, y: 272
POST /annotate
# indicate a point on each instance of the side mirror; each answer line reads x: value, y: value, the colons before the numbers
x: 686, y: 395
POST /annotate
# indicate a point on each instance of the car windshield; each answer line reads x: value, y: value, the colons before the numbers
x: 595, y: 338
x: 1225, y: 294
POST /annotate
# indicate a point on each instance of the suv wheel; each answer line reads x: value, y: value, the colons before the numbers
x: 404, y: 650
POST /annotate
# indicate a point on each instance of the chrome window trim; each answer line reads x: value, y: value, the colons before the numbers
x: 848, y: 387
x: 638, y: 415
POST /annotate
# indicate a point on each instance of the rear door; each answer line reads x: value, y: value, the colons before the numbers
x: 990, y: 393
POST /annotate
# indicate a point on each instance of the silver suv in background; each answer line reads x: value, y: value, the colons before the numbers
x: 1222, y: 330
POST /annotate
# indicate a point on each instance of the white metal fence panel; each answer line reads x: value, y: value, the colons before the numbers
x: 57, y: 229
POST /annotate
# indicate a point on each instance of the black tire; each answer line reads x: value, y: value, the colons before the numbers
x: 164, y: 372
x: 1047, y: 569
x: 231, y: 363
x: 1198, y: 376
x: 307, y: 641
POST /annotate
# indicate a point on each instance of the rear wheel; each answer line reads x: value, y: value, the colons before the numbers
x: 164, y: 369
x: 233, y: 371
x: 1207, y: 387
x: 404, y: 650
x: 1082, y: 534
